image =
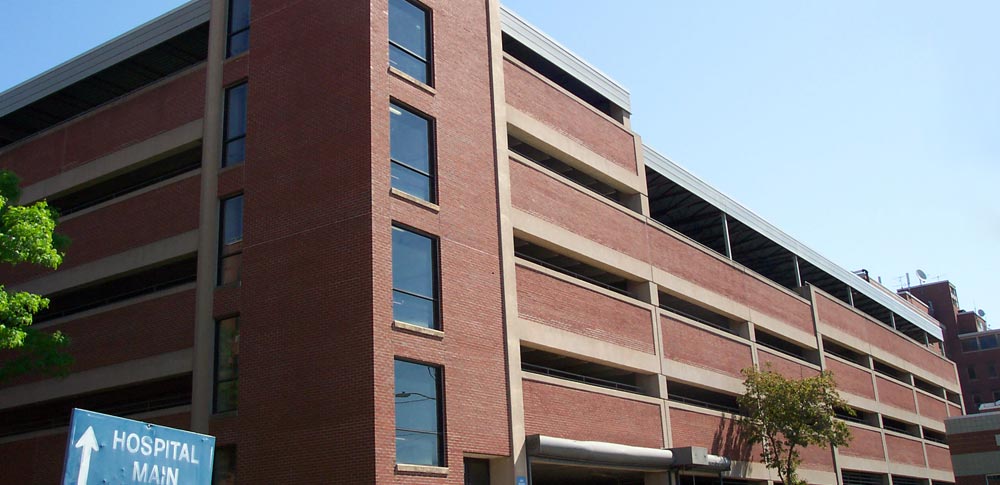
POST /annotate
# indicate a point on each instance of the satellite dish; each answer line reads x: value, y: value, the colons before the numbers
x: 981, y: 313
x: 921, y: 274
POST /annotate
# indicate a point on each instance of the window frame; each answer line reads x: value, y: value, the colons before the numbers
x: 432, y: 167
x: 428, y: 39
x: 969, y: 344
x: 442, y: 454
x: 216, y: 380
x: 228, y: 138
x: 435, y: 277
x: 230, y: 33
x: 233, y: 250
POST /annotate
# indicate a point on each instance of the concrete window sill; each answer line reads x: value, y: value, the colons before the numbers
x: 422, y: 469
x: 409, y: 327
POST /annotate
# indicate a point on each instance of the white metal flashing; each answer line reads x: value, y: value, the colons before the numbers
x: 545, y: 46
x: 721, y: 201
x: 162, y: 28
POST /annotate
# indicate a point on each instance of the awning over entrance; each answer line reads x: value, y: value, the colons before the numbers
x: 601, y: 454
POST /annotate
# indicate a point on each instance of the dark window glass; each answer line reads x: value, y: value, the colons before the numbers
x: 992, y: 369
x: 230, y: 240
x: 224, y: 466
x: 410, y: 152
x: 477, y: 471
x: 409, y: 39
x: 235, y: 132
x: 972, y: 371
x: 418, y: 415
x: 970, y: 345
x: 414, y: 278
x: 227, y: 351
x: 238, y: 27
x: 988, y: 342
x: 232, y: 220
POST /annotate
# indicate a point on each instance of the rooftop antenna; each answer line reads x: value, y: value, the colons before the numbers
x: 981, y: 313
x: 922, y: 276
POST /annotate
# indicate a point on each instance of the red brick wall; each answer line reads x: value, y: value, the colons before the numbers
x: 970, y: 480
x: 136, y: 331
x: 904, y: 450
x: 472, y: 353
x: 817, y: 458
x: 687, y: 343
x: 954, y: 410
x: 851, y: 379
x: 307, y: 247
x: 974, y: 442
x: 679, y: 258
x: 769, y: 300
x: 556, y: 303
x: 143, y: 219
x: 938, y: 457
x: 548, y: 198
x: 865, y: 444
x: 784, y: 366
x: 841, y: 318
x: 983, y: 385
x: 931, y: 407
x: 895, y: 394
x: 527, y: 92
x: 112, y: 127
x: 912, y: 352
x: 35, y: 461
x: 581, y: 415
x: 720, y: 435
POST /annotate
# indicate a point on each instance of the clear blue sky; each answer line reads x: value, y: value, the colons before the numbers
x: 868, y: 130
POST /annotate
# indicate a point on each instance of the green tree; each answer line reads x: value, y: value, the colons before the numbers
x: 785, y: 415
x: 27, y: 236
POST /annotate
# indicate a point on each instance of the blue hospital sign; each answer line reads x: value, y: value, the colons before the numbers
x: 106, y: 449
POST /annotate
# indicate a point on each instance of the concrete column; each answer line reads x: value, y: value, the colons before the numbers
x: 798, y: 272
x: 507, y: 471
x: 202, y: 378
x: 660, y: 478
x: 725, y: 237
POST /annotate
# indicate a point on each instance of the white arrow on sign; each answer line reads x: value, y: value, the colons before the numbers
x: 89, y: 444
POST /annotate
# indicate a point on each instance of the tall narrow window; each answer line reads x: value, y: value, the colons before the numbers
x: 418, y: 415
x: 224, y: 466
x: 409, y: 39
x: 414, y: 278
x: 230, y: 240
x: 477, y: 471
x: 227, y: 351
x: 235, y: 126
x: 411, y: 152
x: 238, y: 27
x: 972, y: 372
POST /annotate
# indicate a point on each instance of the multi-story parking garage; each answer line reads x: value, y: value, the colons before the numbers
x: 418, y: 242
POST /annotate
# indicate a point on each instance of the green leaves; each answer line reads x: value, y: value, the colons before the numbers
x: 785, y: 415
x: 27, y: 236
